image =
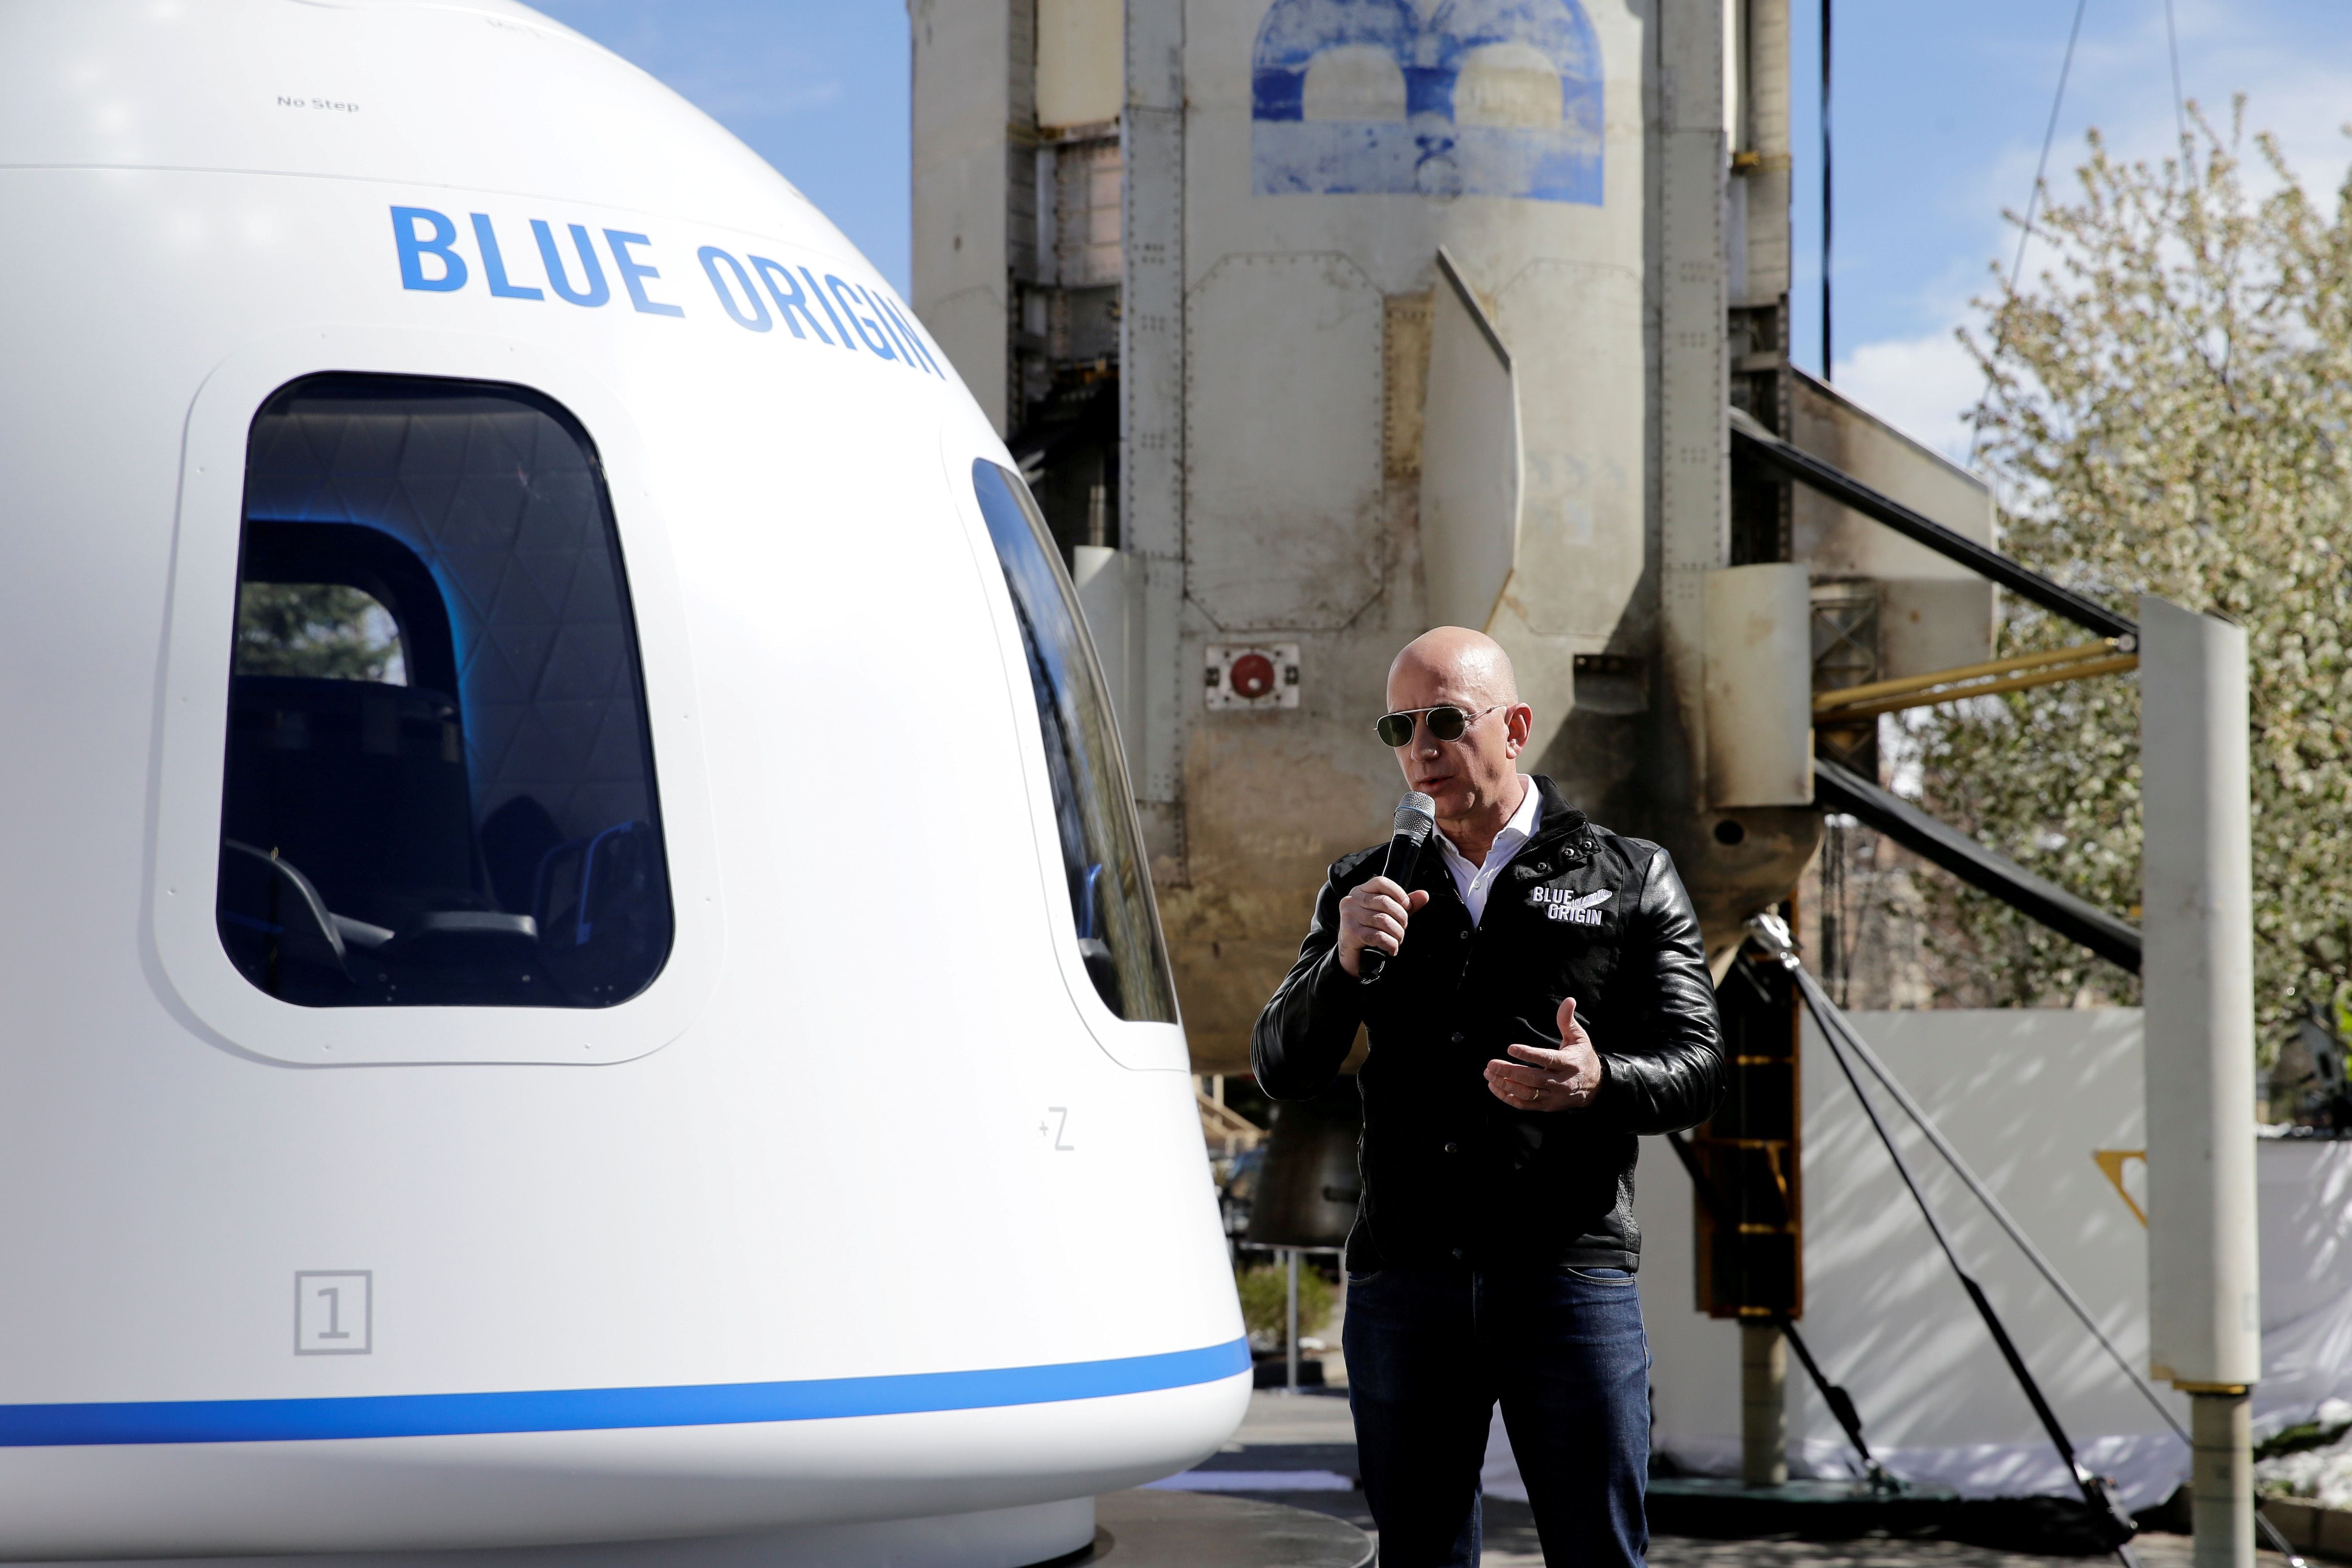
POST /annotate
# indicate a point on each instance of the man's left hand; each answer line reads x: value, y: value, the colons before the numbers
x: 1546, y: 1080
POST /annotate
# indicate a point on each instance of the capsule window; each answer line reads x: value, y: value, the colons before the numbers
x: 439, y: 784
x: 1102, y: 856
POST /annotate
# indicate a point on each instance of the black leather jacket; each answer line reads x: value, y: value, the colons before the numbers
x: 1450, y: 1172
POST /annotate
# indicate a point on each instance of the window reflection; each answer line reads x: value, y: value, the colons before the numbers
x: 328, y: 630
x: 1110, y: 895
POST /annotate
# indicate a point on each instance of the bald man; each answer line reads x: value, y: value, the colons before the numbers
x: 1545, y: 1001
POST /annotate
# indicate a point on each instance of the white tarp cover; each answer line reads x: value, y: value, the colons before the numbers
x: 2028, y: 1096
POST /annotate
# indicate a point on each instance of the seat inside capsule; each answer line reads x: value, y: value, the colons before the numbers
x: 438, y: 788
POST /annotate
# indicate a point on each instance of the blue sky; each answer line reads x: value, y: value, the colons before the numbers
x: 818, y: 88
x: 1939, y: 114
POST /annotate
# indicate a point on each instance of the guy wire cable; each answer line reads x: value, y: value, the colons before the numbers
x: 2095, y: 1496
x: 1842, y: 1406
x: 2179, y: 110
x: 1835, y: 1019
x: 2034, y: 196
x: 2001, y: 1215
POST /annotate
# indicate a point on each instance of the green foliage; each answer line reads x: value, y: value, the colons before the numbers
x: 318, y: 629
x: 2309, y: 1435
x: 1265, y: 1297
x: 2169, y: 409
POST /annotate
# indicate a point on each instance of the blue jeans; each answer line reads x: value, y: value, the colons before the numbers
x: 1430, y: 1351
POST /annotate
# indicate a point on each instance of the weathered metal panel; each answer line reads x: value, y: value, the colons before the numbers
x: 1759, y: 692
x: 1151, y: 404
x: 1283, y: 517
x: 1470, y: 468
x: 1694, y: 504
x: 1934, y: 614
x: 1081, y: 61
x: 960, y: 199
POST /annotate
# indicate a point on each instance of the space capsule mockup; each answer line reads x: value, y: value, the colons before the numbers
x: 578, y: 967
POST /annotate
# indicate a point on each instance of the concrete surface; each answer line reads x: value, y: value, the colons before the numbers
x: 1311, y: 1431
x: 1173, y: 1529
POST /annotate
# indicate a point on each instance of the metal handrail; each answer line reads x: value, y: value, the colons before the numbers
x: 1838, y: 696
x: 1955, y: 685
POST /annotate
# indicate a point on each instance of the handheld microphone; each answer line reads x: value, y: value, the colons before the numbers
x: 1416, y: 819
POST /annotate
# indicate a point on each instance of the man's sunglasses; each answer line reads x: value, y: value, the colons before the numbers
x: 1445, y: 721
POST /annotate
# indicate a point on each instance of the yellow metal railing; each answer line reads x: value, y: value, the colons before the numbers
x: 1994, y: 676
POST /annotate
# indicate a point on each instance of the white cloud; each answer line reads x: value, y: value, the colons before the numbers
x: 1923, y: 387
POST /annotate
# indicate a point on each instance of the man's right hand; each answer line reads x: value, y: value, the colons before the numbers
x: 1375, y: 916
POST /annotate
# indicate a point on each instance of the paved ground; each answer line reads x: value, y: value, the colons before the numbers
x: 1312, y: 1433
x: 1680, y: 1552
x: 1281, y: 1420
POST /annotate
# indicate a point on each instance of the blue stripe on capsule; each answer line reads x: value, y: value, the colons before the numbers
x: 599, y: 1409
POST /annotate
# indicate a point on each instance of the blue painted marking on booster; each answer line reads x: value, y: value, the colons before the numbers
x: 604, y: 1409
x: 1364, y: 96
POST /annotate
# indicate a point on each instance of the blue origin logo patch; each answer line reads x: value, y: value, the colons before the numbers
x: 1575, y: 909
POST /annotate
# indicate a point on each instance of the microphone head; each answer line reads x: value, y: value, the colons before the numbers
x: 1416, y: 817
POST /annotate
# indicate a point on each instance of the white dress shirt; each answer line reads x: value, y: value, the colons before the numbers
x: 1475, y: 882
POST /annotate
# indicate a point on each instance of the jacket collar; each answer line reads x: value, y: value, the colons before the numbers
x: 1563, y: 837
x: 1561, y: 828
x: 1560, y: 820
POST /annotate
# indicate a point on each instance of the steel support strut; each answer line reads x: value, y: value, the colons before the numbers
x: 2204, y: 1278
x: 2037, y: 898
